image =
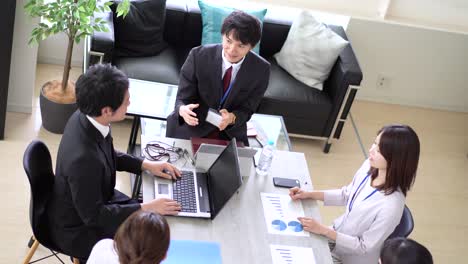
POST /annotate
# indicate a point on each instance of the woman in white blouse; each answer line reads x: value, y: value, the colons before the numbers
x: 143, y: 238
x: 374, y: 200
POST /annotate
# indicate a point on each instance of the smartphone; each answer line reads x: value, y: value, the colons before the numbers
x: 284, y: 182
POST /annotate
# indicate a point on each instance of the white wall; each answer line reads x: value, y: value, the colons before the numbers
x: 425, y: 67
x: 23, y: 64
x: 53, y: 50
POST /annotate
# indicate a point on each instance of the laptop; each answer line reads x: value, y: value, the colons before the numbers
x: 204, y: 193
x: 208, y: 153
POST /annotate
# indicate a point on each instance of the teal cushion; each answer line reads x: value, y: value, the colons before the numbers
x: 213, y: 16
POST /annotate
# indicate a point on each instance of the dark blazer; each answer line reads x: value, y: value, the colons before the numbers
x: 84, y: 207
x: 201, y: 82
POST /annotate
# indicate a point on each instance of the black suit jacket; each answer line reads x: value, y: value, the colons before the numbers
x: 84, y: 207
x: 201, y: 82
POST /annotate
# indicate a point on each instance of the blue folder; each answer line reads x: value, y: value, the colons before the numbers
x: 193, y: 252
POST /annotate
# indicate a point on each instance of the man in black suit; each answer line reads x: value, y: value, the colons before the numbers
x: 228, y: 77
x: 85, y: 207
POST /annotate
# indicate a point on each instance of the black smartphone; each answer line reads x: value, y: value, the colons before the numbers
x: 284, y: 182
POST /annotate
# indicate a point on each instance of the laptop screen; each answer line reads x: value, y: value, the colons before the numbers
x: 224, y: 178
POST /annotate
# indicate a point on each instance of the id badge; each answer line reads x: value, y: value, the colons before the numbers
x: 213, y: 117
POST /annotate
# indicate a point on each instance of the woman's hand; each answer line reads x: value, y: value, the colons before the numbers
x: 161, y: 169
x: 313, y: 226
x: 297, y: 193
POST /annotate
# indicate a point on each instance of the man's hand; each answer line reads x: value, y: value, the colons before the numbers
x: 228, y: 119
x: 162, y: 206
x: 161, y: 169
x: 186, y: 112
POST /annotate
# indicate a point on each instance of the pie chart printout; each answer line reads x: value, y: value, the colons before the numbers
x: 281, y: 215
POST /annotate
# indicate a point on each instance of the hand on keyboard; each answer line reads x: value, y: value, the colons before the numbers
x: 161, y: 169
x: 162, y: 206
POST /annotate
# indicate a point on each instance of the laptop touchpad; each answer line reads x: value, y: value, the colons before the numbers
x: 163, y: 189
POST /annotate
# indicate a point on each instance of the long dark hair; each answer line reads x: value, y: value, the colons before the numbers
x: 142, y: 239
x: 399, y: 145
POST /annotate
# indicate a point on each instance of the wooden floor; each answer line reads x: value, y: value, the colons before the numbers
x: 437, y: 201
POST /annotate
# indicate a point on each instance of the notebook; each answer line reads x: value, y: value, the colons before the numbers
x: 193, y: 252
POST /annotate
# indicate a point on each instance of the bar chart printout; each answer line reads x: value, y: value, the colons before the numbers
x: 291, y: 255
x: 281, y: 214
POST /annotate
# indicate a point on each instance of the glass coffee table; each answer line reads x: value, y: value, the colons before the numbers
x: 152, y: 102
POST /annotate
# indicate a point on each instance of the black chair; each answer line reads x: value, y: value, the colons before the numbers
x: 406, y: 225
x: 37, y: 164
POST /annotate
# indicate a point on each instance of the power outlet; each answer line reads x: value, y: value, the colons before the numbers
x: 383, y: 82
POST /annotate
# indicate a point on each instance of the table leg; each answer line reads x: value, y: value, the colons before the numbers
x: 136, y: 186
x: 133, y: 134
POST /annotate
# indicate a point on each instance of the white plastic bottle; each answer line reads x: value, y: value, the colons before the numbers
x: 266, y: 157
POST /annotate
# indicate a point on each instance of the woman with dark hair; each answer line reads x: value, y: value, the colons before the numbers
x: 404, y: 251
x: 142, y: 239
x: 374, y: 200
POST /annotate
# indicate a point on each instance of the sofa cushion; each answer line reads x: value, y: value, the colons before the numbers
x: 165, y: 67
x: 288, y: 97
x: 310, y: 51
x: 140, y: 33
x: 213, y: 16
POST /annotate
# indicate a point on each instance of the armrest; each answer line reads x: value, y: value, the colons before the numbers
x: 103, y: 42
x: 345, y: 73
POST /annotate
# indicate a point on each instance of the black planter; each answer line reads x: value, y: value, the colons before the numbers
x: 55, y: 115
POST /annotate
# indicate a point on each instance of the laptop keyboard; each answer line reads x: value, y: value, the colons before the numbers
x: 184, y: 192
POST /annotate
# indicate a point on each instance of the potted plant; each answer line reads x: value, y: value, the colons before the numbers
x: 76, y: 19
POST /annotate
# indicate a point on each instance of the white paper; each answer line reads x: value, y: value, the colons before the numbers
x: 281, y: 214
x: 287, y: 255
x: 213, y: 118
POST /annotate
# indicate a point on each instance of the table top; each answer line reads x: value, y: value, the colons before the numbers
x: 151, y: 99
x: 240, y: 227
x: 272, y: 126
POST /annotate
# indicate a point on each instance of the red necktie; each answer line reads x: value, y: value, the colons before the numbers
x: 227, y: 79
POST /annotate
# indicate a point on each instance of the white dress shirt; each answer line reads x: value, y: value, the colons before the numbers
x: 102, y: 128
x: 235, y: 67
x: 362, y: 231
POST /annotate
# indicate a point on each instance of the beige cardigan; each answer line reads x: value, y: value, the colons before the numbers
x: 362, y: 232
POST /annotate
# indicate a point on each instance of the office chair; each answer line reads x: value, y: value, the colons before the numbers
x: 406, y: 225
x: 37, y: 164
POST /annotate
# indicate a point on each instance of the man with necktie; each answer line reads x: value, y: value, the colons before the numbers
x: 85, y: 207
x: 227, y: 77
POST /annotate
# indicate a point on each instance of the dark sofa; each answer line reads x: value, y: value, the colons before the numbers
x: 306, y: 111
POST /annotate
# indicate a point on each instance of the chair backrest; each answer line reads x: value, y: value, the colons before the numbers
x: 406, y: 225
x: 37, y: 164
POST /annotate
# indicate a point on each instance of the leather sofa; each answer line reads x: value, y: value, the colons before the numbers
x: 306, y: 111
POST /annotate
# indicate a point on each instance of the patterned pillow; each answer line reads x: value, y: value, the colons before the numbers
x: 213, y: 16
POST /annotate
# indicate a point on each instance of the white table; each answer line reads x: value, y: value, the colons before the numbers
x: 240, y: 226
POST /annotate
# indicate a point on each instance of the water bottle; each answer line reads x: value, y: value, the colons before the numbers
x: 266, y: 157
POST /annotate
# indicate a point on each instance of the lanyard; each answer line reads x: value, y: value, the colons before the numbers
x: 225, y: 96
x: 350, y: 207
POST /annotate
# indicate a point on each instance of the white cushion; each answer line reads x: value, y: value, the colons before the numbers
x: 310, y: 50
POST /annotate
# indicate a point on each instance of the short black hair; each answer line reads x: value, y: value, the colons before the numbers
x: 245, y: 28
x: 404, y: 251
x: 101, y: 86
